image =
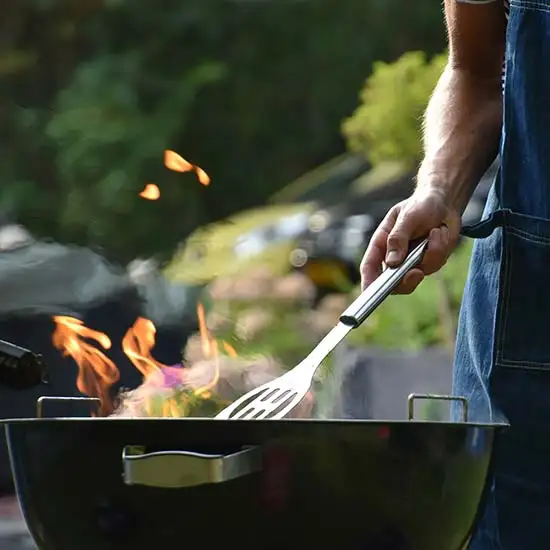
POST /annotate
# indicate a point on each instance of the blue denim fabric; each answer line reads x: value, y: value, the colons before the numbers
x: 502, y: 362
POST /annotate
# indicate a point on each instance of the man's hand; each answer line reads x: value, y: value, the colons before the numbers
x: 424, y: 213
x: 462, y: 130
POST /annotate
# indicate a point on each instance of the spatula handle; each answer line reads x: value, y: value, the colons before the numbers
x: 381, y: 288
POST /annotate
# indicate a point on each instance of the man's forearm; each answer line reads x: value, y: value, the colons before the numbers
x: 461, y: 135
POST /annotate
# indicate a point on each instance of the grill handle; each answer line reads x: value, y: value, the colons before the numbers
x: 432, y: 397
x: 181, y: 469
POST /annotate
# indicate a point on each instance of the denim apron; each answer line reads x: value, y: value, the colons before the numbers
x: 502, y: 362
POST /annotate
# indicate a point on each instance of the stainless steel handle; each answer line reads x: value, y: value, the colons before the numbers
x: 381, y: 288
x: 180, y: 469
x: 432, y: 397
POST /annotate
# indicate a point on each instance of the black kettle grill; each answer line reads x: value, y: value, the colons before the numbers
x: 138, y: 484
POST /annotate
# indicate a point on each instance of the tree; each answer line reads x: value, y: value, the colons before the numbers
x: 387, y: 125
x: 253, y: 92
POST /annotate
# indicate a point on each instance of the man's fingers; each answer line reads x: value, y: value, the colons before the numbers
x: 371, y: 265
x: 437, y: 252
x: 439, y: 249
x: 405, y: 229
x: 397, y: 247
x: 391, y: 241
x: 409, y: 283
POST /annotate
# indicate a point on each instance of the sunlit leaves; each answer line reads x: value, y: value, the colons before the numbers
x: 387, y: 124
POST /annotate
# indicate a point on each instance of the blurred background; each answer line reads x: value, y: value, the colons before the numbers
x: 305, y: 117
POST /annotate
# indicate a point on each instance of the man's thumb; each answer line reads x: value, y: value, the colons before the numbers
x: 397, y: 245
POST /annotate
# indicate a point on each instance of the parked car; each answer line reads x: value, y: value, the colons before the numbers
x: 260, y: 235
x: 266, y: 234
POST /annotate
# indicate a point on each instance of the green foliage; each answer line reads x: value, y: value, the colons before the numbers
x: 107, y: 145
x: 284, y: 338
x: 402, y: 322
x: 253, y: 92
x: 388, y: 123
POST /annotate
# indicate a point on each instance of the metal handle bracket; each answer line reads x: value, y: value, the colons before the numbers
x: 41, y: 401
x: 433, y: 397
x: 180, y: 469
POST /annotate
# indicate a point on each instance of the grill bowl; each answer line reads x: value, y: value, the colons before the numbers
x: 356, y: 484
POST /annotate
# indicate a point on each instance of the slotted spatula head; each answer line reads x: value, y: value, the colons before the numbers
x: 277, y: 398
x: 272, y: 400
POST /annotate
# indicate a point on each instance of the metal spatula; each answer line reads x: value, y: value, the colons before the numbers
x: 277, y: 398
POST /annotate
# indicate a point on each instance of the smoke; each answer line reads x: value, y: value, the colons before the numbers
x: 171, y: 391
x: 46, y: 277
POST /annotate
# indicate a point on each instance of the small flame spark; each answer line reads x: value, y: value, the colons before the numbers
x: 203, y: 177
x: 151, y: 192
x: 177, y: 163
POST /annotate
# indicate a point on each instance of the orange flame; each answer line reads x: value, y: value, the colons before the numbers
x: 151, y: 192
x: 96, y: 372
x: 203, y: 177
x: 177, y: 163
x: 203, y: 331
x: 137, y: 344
x: 210, y: 350
x: 229, y: 349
